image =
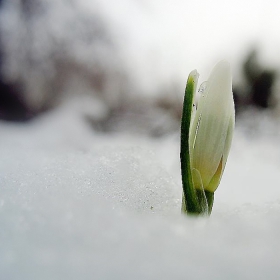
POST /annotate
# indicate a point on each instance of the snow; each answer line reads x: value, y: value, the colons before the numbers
x: 76, y: 204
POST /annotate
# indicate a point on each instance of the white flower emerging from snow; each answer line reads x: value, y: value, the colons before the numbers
x: 206, y: 135
x: 212, y: 128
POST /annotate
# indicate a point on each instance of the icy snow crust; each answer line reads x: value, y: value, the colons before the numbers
x: 79, y: 205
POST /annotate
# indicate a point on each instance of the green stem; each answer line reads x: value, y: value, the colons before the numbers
x: 206, y: 200
x: 210, y: 200
x: 190, y: 200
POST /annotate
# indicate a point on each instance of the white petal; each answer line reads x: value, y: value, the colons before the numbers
x: 209, y: 130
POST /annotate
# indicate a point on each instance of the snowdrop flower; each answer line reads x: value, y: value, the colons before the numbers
x: 209, y: 136
x: 212, y: 128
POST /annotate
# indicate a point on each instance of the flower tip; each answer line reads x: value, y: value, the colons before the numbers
x: 222, y: 67
x: 223, y: 61
x: 220, y: 78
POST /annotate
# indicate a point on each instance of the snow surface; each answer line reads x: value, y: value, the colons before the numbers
x: 76, y: 204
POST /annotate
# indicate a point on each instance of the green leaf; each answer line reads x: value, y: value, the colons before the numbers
x: 190, y: 200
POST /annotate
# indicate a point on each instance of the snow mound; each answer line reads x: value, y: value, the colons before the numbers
x: 79, y: 205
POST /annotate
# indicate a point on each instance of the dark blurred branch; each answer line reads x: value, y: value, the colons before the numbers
x: 258, y: 88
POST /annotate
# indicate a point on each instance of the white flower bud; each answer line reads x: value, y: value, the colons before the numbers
x: 212, y: 129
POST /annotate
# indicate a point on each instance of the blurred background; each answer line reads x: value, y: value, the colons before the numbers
x: 127, y: 61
